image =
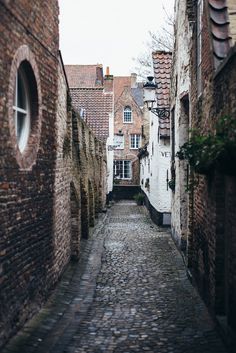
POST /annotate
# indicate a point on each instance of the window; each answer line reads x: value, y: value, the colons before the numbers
x: 127, y: 115
x: 199, y: 45
x: 21, y: 108
x: 119, y: 141
x: 135, y: 141
x: 25, y: 107
x: 122, y: 169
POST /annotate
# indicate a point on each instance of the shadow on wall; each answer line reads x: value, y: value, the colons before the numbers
x: 121, y: 192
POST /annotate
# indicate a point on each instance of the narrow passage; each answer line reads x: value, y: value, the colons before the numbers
x: 129, y: 293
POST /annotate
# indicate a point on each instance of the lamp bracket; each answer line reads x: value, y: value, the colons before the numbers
x: 161, y: 112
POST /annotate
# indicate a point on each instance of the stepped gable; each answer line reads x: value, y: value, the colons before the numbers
x: 162, y: 62
x: 219, y: 29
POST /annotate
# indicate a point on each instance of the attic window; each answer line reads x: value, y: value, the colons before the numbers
x: 127, y: 117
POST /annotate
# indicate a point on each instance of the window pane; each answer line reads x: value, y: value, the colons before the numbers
x: 21, y: 121
x: 135, y: 141
x: 122, y: 169
x: 127, y: 115
x: 21, y: 92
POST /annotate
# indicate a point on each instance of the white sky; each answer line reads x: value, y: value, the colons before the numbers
x: 108, y: 32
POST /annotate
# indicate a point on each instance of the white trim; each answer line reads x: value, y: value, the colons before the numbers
x: 127, y: 109
x: 135, y: 141
x: 24, y: 135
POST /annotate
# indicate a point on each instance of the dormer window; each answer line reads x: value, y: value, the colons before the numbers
x: 127, y: 117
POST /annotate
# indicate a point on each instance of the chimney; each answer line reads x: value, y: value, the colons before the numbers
x: 133, y: 80
x: 108, y: 81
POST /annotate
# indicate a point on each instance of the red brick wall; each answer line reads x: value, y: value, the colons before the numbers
x: 127, y: 129
x: 26, y: 183
x: 212, y: 244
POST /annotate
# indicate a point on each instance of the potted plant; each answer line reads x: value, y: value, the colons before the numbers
x: 171, y: 184
x: 139, y: 198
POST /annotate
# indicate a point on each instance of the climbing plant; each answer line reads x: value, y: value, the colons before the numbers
x: 215, y: 150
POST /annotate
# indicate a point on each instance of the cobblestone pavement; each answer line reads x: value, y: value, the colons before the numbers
x: 129, y: 293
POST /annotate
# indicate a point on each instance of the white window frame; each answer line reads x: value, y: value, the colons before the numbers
x: 123, y: 163
x: 127, y: 115
x: 22, y: 138
x: 119, y: 145
x: 135, y: 141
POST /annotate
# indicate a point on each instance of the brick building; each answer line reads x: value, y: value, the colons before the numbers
x: 52, y: 168
x: 208, y: 57
x: 128, y: 129
x: 92, y: 97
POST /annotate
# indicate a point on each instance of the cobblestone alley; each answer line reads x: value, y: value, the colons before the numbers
x: 129, y: 293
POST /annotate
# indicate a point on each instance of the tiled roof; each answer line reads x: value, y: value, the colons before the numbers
x: 95, y: 106
x: 219, y: 29
x: 137, y: 94
x: 85, y: 76
x: 162, y: 62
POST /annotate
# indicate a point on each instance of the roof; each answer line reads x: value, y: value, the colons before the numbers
x: 162, y: 62
x: 85, y: 76
x: 94, y: 107
x: 219, y: 29
x: 137, y: 94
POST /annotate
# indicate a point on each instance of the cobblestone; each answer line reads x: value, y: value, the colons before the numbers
x: 129, y: 293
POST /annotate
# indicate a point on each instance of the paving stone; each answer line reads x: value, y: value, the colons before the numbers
x: 128, y: 293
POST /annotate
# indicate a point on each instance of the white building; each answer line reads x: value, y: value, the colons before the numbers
x: 155, y: 155
x: 179, y: 101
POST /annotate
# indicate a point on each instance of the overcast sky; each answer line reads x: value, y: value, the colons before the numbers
x: 108, y: 32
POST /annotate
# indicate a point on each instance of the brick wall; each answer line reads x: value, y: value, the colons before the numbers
x: 211, y: 243
x: 46, y: 204
x: 26, y: 180
x: 126, y: 99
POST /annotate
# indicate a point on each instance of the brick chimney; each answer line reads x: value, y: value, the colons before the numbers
x: 133, y: 80
x: 108, y: 81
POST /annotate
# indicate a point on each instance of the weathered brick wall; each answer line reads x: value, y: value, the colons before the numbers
x: 225, y: 105
x: 44, y: 190
x: 211, y: 241
x: 180, y: 87
x: 26, y: 182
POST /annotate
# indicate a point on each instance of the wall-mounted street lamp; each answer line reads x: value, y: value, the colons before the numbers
x: 150, y: 98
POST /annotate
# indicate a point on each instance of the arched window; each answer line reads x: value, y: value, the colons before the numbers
x: 127, y: 115
x: 21, y: 108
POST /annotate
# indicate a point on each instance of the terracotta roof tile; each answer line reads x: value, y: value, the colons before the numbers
x: 162, y: 62
x: 219, y: 29
x: 81, y: 76
x: 95, y: 106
